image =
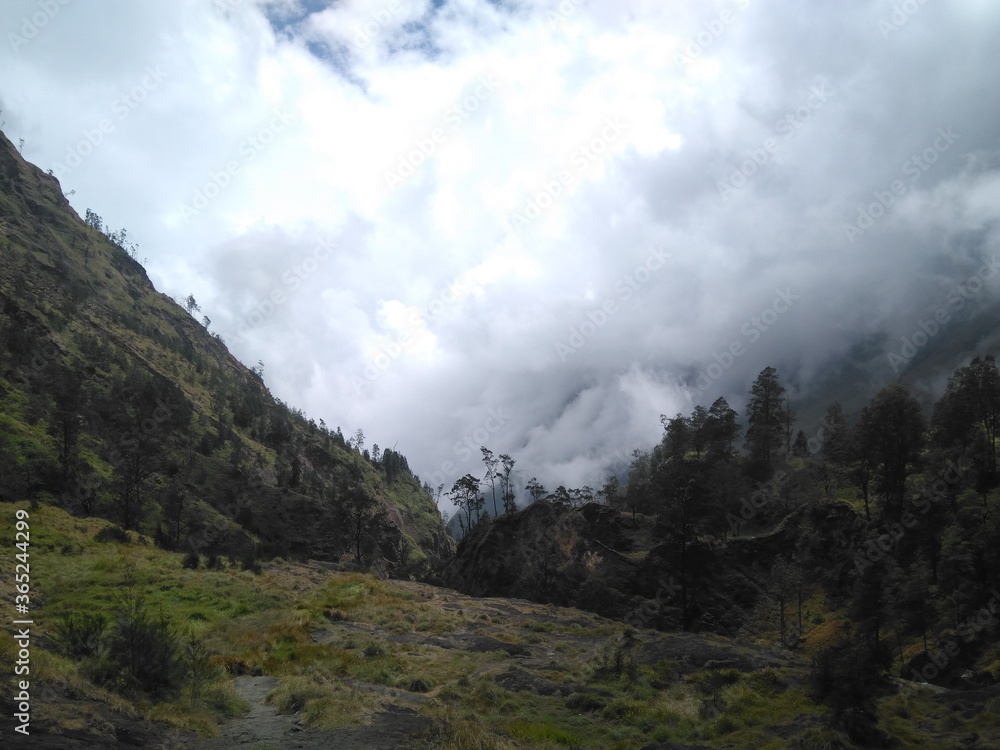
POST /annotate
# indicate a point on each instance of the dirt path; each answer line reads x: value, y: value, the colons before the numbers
x: 263, y: 727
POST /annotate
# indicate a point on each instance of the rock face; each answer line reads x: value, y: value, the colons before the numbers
x: 634, y: 570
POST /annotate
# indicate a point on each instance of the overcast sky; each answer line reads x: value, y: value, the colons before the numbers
x: 534, y: 225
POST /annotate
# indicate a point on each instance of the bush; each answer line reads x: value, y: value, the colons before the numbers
x: 142, y: 650
x: 80, y: 636
x: 113, y: 534
x: 615, y: 659
x: 191, y: 560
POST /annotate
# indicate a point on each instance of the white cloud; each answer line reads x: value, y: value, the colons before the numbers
x: 585, y: 123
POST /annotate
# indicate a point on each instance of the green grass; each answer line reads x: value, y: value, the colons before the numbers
x: 341, y: 644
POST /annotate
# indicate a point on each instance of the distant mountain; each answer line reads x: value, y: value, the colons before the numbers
x: 115, y: 401
x: 922, y: 362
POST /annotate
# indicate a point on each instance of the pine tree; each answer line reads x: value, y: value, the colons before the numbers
x: 766, y: 419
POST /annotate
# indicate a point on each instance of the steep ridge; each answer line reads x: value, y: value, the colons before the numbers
x: 115, y: 401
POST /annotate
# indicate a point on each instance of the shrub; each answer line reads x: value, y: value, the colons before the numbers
x: 80, y: 636
x: 615, y: 659
x: 142, y: 650
x: 113, y: 534
x: 191, y: 560
x: 198, y: 667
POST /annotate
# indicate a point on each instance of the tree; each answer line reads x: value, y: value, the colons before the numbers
x: 491, y: 463
x: 131, y: 479
x: 891, y: 430
x: 174, y: 505
x: 837, y: 438
x: 362, y: 513
x: 66, y: 421
x: 507, y: 494
x: 94, y: 220
x: 466, y: 496
x: 699, y: 434
x: 970, y: 405
x: 610, y: 491
x: 536, y: 489
x: 721, y: 428
x: 786, y: 582
x: 191, y: 305
x: 800, y: 448
x: 766, y: 419
x: 676, y: 436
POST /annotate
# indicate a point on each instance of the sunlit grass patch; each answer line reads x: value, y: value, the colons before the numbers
x: 538, y: 732
x: 324, y: 703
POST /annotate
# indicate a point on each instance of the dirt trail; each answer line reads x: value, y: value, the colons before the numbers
x: 263, y: 727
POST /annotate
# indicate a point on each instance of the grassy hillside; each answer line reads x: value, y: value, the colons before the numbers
x: 337, y: 658
x: 115, y: 401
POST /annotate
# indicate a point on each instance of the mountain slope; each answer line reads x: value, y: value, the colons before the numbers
x: 114, y: 401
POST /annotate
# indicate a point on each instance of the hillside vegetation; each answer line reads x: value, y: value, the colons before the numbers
x: 115, y: 401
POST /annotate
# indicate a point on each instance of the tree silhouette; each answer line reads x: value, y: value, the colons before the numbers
x: 766, y: 420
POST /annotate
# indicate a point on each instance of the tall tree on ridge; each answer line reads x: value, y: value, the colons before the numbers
x: 766, y: 419
x: 490, y: 478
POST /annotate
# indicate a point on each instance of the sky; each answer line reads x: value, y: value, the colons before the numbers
x: 535, y: 226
